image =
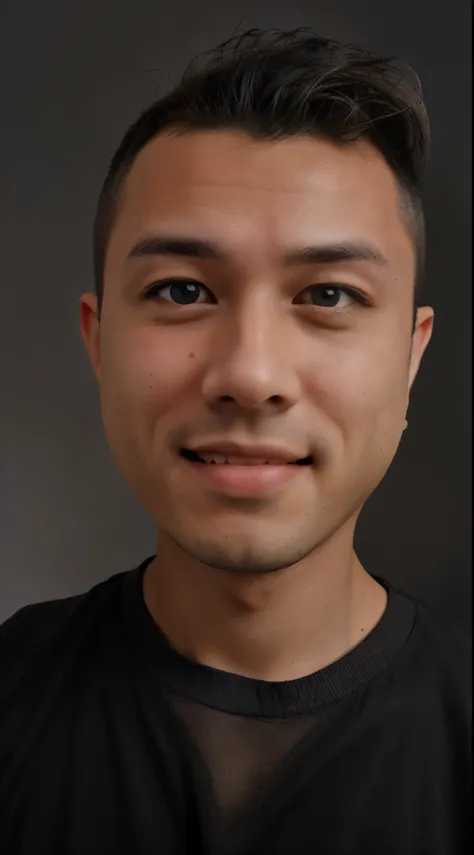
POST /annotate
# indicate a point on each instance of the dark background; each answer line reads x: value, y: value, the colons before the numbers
x: 77, y: 74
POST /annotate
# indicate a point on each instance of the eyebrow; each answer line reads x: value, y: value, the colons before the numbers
x: 189, y: 247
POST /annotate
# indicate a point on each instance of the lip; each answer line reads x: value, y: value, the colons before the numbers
x: 244, y: 481
x: 261, y: 452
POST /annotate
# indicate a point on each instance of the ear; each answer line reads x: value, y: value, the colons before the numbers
x: 90, y: 329
x: 420, y: 340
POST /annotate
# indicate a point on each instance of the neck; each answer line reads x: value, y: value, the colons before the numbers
x: 275, y: 626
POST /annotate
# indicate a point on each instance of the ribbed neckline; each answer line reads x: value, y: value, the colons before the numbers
x: 246, y: 696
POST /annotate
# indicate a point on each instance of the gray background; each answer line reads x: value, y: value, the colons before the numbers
x: 77, y: 74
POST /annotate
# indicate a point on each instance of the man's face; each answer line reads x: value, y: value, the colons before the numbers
x: 268, y: 354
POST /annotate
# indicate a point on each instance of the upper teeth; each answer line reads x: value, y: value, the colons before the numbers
x: 236, y: 461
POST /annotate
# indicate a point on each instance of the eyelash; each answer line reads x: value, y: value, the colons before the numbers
x: 153, y: 290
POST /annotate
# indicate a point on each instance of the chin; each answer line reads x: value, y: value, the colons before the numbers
x: 249, y: 552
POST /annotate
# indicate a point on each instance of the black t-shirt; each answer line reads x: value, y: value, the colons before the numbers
x: 112, y: 743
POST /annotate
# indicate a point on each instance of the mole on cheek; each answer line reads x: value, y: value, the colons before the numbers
x: 191, y: 355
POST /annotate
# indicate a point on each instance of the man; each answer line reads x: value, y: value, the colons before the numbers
x: 255, y: 334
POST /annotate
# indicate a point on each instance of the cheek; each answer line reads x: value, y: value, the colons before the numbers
x: 143, y: 375
x: 362, y: 389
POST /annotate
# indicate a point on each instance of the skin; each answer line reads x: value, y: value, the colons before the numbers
x: 270, y: 588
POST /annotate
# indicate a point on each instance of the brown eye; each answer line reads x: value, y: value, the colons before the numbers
x: 181, y: 292
x: 326, y: 296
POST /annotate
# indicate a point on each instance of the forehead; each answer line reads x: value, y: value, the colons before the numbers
x: 259, y: 195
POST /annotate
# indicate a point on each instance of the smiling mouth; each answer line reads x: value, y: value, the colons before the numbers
x: 213, y: 458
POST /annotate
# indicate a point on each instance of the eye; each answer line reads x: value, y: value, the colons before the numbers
x: 328, y: 296
x: 181, y: 292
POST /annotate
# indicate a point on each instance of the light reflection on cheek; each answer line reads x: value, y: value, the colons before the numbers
x: 350, y: 390
x: 153, y: 373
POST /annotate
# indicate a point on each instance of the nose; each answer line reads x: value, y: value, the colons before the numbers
x: 252, y: 365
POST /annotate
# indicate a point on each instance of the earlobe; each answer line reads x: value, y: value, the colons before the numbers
x: 90, y: 330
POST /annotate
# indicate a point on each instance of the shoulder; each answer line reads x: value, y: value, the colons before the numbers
x: 33, y: 623
x: 448, y: 639
x: 40, y: 632
x: 36, y: 618
x: 442, y: 655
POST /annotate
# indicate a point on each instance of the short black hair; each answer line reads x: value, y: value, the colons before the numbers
x: 274, y: 84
